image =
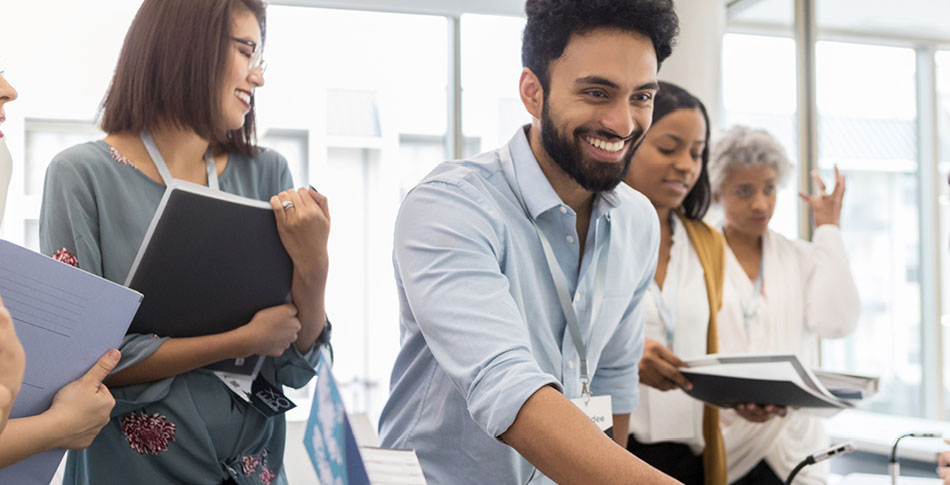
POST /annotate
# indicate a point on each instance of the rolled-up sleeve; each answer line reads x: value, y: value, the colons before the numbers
x: 617, y: 374
x: 447, y: 251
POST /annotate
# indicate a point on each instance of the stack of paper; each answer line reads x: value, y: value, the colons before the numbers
x: 780, y: 379
x: 848, y: 386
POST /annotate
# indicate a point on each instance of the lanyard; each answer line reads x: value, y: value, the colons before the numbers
x: 664, y: 311
x: 560, y: 281
x: 750, y: 308
x: 163, y: 168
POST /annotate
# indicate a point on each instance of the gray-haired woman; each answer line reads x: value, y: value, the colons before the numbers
x: 780, y: 295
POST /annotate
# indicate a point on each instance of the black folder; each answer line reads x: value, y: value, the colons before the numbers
x: 209, y: 261
x: 780, y: 379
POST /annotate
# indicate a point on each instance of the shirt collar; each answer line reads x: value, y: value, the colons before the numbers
x: 536, y: 190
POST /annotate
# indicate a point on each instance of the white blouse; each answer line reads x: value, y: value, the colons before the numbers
x: 808, y: 293
x: 672, y: 416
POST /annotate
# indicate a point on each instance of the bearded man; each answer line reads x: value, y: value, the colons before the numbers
x: 521, y: 271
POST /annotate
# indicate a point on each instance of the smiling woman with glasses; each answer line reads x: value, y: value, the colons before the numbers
x: 254, y: 54
x: 181, y: 106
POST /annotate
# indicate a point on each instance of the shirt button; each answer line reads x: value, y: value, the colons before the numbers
x: 570, y: 364
x: 570, y: 239
x: 563, y: 210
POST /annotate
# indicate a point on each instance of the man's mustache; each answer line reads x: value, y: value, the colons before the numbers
x: 611, y: 136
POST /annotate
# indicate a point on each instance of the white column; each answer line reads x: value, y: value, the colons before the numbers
x: 696, y: 63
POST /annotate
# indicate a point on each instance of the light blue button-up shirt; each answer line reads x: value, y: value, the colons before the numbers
x: 480, y: 321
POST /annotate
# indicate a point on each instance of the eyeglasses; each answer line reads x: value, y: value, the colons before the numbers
x: 257, y: 55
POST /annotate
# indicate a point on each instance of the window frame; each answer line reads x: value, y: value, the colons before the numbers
x: 807, y: 33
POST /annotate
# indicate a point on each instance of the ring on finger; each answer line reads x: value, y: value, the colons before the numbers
x: 287, y: 205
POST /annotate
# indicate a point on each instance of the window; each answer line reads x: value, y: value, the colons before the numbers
x: 943, y: 135
x: 759, y: 92
x: 867, y: 127
x: 42, y: 141
x: 491, y: 68
x: 363, y: 136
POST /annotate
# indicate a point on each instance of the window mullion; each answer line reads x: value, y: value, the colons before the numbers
x: 928, y: 180
x: 454, y: 145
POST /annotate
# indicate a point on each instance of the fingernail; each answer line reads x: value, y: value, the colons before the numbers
x: 313, y: 189
x: 114, y: 355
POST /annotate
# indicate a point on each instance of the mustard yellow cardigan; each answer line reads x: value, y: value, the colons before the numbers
x: 710, y: 247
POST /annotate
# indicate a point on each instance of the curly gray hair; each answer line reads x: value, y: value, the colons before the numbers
x: 742, y: 147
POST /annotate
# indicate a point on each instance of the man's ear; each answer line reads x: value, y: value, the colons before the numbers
x: 532, y: 94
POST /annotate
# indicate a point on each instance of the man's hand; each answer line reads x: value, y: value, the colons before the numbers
x: 658, y: 368
x: 565, y: 445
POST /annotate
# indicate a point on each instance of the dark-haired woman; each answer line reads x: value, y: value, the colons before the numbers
x: 670, y: 430
x: 180, y: 106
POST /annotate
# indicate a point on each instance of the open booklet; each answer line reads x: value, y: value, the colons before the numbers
x: 333, y: 448
x: 779, y: 379
x: 209, y: 261
x: 66, y: 319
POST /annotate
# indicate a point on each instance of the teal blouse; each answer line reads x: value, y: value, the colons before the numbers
x: 189, y: 428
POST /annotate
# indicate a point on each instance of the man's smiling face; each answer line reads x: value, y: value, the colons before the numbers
x: 598, y: 104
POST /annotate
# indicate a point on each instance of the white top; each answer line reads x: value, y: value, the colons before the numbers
x: 672, y: 416
x: 808, y: 293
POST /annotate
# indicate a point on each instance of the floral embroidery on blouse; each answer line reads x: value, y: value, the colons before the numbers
x: 148, y: 434
x: 267, y: 476
x: 250, y: 464
x: 64, y: 256
x: 120, y: 157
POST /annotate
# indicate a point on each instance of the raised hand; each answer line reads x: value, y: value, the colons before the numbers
x: 760, y: 413
x: 303, y: 222
x: 658, y: 368
x: 270, y: 332
x: 82, y: 407
x: 826, y: 207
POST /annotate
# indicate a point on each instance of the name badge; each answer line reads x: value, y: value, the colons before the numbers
x: 268, y: 399
x: 599, y: 410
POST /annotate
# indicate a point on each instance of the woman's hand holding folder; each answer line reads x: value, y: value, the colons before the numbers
x: 270, y: 332
x: 303, y: 223
x: 12, y: 364
x: 658, y: 368
x: 78, y: 413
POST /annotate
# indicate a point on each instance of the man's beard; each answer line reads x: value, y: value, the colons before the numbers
x: 592, y: 175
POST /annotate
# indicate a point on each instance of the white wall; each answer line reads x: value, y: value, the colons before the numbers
x: 696, y: 61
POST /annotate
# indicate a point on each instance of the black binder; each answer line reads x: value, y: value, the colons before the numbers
x: 209, y: 261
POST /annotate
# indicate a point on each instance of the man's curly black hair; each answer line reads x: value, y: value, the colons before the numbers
x: 551, y: 23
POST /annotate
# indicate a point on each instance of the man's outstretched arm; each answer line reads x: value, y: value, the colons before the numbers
x: 557, y: 438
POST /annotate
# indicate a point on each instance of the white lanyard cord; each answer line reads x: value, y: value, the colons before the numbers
x: 751, y: 309
x: 166, y: 174
x: 560, y: 281
x: 665, y: 313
